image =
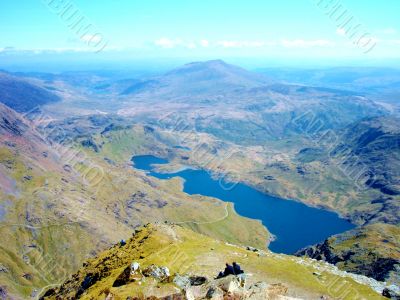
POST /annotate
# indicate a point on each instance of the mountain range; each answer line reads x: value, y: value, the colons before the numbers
x: 69, y: 192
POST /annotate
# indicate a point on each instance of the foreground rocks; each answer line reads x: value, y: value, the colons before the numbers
x: 164, y: 261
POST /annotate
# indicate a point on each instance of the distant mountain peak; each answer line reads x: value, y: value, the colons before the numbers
x: 206, y: 78
x: 209, y: 65
x: 214, y: 71
x: 214, y: 62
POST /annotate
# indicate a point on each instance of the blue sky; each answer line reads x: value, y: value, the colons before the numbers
x: 255, y: 29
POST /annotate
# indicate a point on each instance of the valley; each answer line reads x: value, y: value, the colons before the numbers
x: 68, y: 184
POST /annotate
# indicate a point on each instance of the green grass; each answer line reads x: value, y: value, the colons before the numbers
x: 184, y: 251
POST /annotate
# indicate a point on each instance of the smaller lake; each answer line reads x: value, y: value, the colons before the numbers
x: 294, y: 224
x: 181, y: 147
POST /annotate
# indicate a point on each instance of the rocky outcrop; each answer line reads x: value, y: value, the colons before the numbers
x: 10, y: 123
x: 89, y: 143
x: 164, y: 261
x: 370, y: 250
x: 373, y: 143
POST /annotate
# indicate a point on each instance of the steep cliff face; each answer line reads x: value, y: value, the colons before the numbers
x: 374, y: 143
x: 171, y: 262
x: 371, y: 250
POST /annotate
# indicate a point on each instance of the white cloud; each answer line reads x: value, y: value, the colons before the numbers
x: 12, y: 50
x: 388, y: 31
x: 190, y: 45
x: 244, y: 44
x: 228, y: 44
x: 299, y: 43
x: 341, y: 31
x: 169, y: 43
x: 204, y: 43
x: 165, y: 43
x: 392, y: 42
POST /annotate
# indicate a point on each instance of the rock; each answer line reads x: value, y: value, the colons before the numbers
x: 50, y: 292
x: 148, y: 129
x: 135, y: 266
x: 391, y: 294
x: 251, y: 249
x: 89, y: 143
x: 181, y: 281
x: 230, y: 284
x: 110, y: 297
x: 27, y: 276
x: 258, y: 290
x: 197, y: 280
x: 3, y: 269
x: 131, y: 273
x: 160, y: 273
x: 89, y: 280
x: 3, y: 292
x: 215, y: 293
x: 195, y: 292
x: 277, y: 289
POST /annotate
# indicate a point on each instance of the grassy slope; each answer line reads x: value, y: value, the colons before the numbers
x: 321, y: 185
x: 186, y: 252
x: 55, y: 217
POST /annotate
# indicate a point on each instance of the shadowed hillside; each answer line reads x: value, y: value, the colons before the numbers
x: 23, y: 95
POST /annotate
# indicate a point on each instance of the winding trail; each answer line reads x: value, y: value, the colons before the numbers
x: 208, y: 222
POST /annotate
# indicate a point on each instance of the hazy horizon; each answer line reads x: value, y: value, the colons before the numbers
x: 54, y: 35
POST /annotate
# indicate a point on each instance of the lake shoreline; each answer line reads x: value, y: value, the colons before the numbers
x: 293, y: 224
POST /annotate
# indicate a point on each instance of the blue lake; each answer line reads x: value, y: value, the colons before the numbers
x: 181, y: 147
x: 294, y: 224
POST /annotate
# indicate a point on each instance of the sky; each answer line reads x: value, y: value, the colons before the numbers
x: 341, y: 31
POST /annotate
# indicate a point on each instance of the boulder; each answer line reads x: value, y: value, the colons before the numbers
x: 89, y: 280
x: 3, y: 292
x: 159, y: 273
x: 197, y: 280
x: 230, y: 284
x: 135, y: 268
x: 249, y: 248
x: 195, y: 292
x: 215, y: 293
x: 391, y: 294
x: 182, y: 282
x: 3, y: 269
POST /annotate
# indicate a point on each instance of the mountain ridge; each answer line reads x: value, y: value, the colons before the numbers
x: 190, y: 256
x: 22, y: 94
x: 195, y: 75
